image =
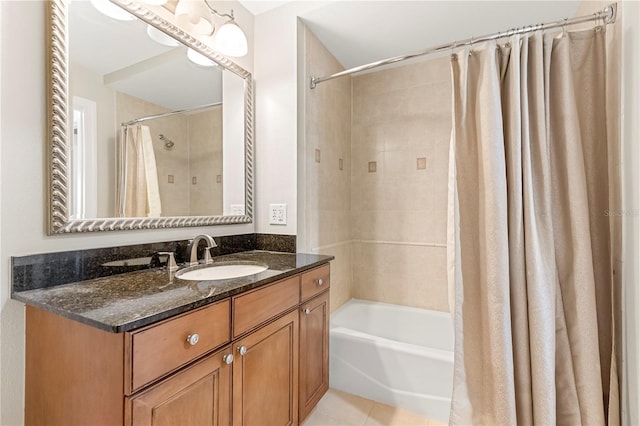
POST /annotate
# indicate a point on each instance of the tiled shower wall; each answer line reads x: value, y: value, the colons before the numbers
x: 327, y: 165
x: 205, y: 162
x: 391, y: 129
x: 197, y: 153
x: 401, y: 124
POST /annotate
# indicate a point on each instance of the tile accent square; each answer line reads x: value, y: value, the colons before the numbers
x: 170, y: 179
x: 218, y: 178
x: 194, y: 180
x: 372, y: 166
x: 340, y: 164
x: 421, y: 163
x: 317, y: 155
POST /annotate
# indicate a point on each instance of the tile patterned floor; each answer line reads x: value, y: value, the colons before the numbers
x: 342, y: 409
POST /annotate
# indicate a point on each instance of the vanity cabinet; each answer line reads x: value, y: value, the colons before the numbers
x: 198, y: 395
x: 265, y: 375
x: 152, y: 352
x: 257, y: 358
x: 314, y: 352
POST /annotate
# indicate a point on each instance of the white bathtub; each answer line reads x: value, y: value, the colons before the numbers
x: 393, y: 354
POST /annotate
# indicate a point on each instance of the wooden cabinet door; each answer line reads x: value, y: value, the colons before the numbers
x: 265, y: 375
x: 314, y: 352
x: 197, y: 396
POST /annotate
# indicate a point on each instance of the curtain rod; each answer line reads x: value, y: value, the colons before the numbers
x: 608, y: 16
x: 166, y: 114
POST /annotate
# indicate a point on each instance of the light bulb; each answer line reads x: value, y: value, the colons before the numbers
x: 194, y: 15
x: 230, y: 40
x: 111, y: 10
x: 199, y: 59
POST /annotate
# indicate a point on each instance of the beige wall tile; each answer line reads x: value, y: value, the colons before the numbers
x: 400, y: 114
x: 194, y: 154
x: 327, y: 188
x: 341, y: 273
x: 401, y: 274
x: 205, y: 162
x: 390, y: 117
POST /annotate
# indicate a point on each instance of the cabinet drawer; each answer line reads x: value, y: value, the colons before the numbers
x: 196, y: 395
x: 254, y: 308
x: 159, y: 349
x: 315, y: 281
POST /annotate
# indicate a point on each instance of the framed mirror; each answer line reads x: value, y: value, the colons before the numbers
x: 148, y: 127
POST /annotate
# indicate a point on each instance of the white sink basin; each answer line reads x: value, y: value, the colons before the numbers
x: 220, y: 272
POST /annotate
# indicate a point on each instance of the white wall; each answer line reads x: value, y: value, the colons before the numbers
x: 89, y: 85
x: 630, y: 15
x: 23, y: 184
x: 2, y: 294
x: 233, y: 149
x: 275, y: 73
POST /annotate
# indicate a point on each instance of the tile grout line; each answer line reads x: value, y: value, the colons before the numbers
x: 366, y: 420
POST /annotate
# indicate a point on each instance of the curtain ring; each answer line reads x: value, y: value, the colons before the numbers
x: 471, y: 46
x: 601, y: 17
x: 453, y: 55
x: 564, y: 27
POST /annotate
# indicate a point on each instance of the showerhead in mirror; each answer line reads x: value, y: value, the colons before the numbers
x: 168, y: 143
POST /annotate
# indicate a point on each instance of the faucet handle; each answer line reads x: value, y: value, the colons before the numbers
x: 171, y: 260
x: 207, y: 255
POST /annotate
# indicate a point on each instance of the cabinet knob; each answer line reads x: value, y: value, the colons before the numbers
x: 242, y: 350
x: 306, y: 311
x: 193, y: 339
x: 319, y: 281
x: 227, y: 359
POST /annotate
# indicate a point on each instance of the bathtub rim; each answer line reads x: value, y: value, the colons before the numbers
x: 338, y: 329
x: 354, y: 301
x: 378, y: 341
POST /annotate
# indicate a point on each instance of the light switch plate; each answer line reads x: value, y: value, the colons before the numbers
x: 277, y: 214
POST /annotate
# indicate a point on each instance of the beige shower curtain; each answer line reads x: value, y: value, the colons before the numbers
x: 137, y: 193
x: 531, y: 245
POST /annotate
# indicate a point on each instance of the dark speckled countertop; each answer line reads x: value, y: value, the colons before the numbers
x: 127, y: 301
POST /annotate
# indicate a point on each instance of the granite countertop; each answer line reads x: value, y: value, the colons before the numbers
x: 127, y: 301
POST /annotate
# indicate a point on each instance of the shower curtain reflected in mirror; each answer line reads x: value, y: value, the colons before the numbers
x: 530, y: 246
x: 137, y: 192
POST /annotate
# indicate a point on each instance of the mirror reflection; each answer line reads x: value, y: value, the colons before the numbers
x: 157, y: 129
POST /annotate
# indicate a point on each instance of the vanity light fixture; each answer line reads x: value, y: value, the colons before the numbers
x: 194, y: 16
x: 230, y: 39
x: 155, y: 2
x: 197, y: 16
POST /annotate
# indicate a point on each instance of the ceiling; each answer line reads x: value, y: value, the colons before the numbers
x: 257, y: 7
x: 360, y: 32
x: 356, y: 32
x: 132, y: 63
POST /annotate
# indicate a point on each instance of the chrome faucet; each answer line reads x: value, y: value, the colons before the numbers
x: 192, y: 249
